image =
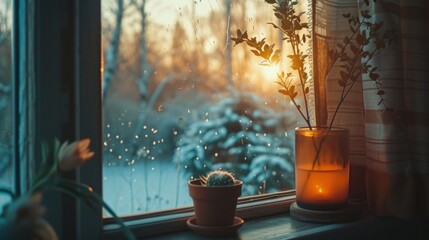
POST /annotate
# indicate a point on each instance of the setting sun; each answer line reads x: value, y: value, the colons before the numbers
x: 269, y: 73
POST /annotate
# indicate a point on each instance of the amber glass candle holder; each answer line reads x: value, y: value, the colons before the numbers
x: 322, y: 168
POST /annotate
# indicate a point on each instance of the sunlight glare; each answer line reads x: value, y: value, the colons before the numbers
x: 269, y: 73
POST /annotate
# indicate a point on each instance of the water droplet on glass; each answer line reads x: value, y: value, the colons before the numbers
x: 160, y: 108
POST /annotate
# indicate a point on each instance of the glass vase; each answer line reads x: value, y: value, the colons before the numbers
x: 322, y: 168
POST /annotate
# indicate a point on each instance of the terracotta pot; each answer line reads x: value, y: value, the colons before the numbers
x: 214, y: 206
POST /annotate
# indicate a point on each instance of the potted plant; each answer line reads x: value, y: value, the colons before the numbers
x: 322, y: 152
x: 22, y: 218
x: 215, y: 198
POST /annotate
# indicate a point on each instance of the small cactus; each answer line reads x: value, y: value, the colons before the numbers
x: 218, y: 178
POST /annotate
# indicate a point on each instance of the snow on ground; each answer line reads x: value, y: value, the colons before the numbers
x: 140, y: 188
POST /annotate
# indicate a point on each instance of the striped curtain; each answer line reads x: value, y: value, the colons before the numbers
x: 389, y: 149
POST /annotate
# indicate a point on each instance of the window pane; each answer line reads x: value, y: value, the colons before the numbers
x: 179, y: 101
x: 6, y: 104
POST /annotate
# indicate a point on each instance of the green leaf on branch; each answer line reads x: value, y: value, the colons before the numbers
x: 294, y: 95
x: 255, y: 52
x: 241, y: 37
x: 274, y: 26
x: 307, y: 90
x: 278, y: 15
x: 378, y: 25
x: 344, y: 76
x: 275, y: 57
x: 360, y: 38
x: 355, y: 50
x: 297, y: 61
x: 291, y: 90
x: 341, y: 83
x: 374, y: 76
x: 284, y: 92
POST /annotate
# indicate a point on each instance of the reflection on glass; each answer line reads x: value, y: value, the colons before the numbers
x: 6, y: 154
x: 179, y: 101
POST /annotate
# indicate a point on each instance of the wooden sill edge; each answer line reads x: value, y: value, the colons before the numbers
x: 152, y: 226
x: 368, y: 227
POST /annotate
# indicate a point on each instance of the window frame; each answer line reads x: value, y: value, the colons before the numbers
x: 59, y: 53
x: 83, y: 97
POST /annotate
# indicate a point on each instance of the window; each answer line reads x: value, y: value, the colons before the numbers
x: 189, y: 88
x: 179, y: 100
x: 6, y: 100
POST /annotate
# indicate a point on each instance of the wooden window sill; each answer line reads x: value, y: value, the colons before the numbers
x: 272, y: 221
x: 282, y: 226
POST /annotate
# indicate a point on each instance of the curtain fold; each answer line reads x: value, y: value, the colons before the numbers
x: 389, y: 149
x: 330, y: 29
x: 397, y: 142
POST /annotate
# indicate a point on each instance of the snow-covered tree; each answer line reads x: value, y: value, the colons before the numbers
x: 243, y: 135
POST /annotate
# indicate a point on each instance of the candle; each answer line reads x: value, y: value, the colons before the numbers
x: 322, y: 168
x: 322, y: 189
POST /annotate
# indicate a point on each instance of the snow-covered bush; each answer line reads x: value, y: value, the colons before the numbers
x: 243, y: 135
